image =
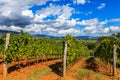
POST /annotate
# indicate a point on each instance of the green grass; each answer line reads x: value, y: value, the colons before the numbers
x: 82, y: 73
x: 36, y: 74
x: 97, y: 59
x: 98, y: 77
x: 85, y: 73
x: 10, y: 79
x: 85, y: 58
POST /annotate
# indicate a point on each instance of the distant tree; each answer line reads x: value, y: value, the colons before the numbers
x: 118, y: 35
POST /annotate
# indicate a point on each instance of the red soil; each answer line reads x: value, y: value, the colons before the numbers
x: 25, y: 71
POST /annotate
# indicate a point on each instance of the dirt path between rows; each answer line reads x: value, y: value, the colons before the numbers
x: 54, y: 65
x: 71, y: 73
x: 26, y: 70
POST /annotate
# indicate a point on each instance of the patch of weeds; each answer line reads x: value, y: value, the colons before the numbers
x: 98, y: 77
x: 97, y: 59
x: 83, y: 73
x: 10, y: 79
x: 36, y: 74
x: 85, y: 58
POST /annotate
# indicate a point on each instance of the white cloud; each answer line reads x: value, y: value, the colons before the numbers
x: 66, y: 23
x: 72, y: 22
x: 27, y: 13
x: 92, y: 22
x: 17, y: 13
x: 111, y: 29
x: 93, y: 27
x: 90, y: 30
x: 16, y: 16
x: 106, y: 30
x: 61, y: 13
x: 10, y: 7
x: 15, y: 28
x: 79, y: 1
x: 51, y: 29
x: 66, y: 13
x: 3, y: 28
x: 50, y: 10
x: 34, y: 28
x: 101, y: 6
x: 39, y: 18
x: 11, y: 28
x: 114, y: 28
x: 100, y: 31
x: 71, y: 31
x: 89, y: 22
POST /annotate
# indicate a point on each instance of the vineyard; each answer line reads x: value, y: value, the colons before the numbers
x: 27, y: 47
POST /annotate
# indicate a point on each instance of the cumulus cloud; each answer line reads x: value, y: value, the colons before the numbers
x: 106, y: 30
x: 16, y: 6
x: 62, y: 12
x: 51, y: 29
x: 15, y: 12
x: 15, y: 16
x: 11, y: 28
x: 92, y: 27
x: 27, y: 13
x: 95, y: 27
x: 92, y: 22
x: 16, y: 20
x: 70, y: 31
x: 111, y: 29
x: 101, y: 6
x: 92, y: 30
x: 62, y: 21
x: 34, y: 28
x: 50, y: 10
x: 114, y: 28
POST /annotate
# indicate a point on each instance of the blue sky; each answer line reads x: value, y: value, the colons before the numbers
x: 61, y: 17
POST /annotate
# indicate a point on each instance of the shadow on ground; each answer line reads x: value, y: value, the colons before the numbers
x: 91, y: 64
x: 57, y: 68
x: 25, y: 63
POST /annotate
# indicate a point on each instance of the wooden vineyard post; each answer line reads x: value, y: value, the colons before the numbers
x: 114, y: 59
x: 64, y: 59
x: 37, y: 60
x: 5, y: 72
